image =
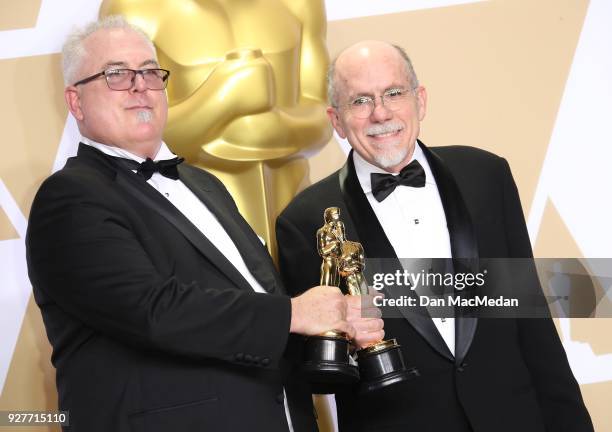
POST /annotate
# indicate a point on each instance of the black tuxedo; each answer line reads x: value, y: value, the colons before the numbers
x: 152, y: 328
x: 508, y: 374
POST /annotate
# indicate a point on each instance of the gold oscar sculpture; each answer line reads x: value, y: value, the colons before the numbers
x: 330, y: 238
x: 326, y: 356
x: 341, y: 257
x: 247, y: 92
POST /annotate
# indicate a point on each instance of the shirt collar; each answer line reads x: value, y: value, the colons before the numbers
x: 364, y: 168
x: 163, y: 153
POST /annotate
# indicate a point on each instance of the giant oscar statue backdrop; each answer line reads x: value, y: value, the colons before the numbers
x: 246, y: 94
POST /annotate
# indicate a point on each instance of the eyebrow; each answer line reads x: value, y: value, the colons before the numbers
x: 123, y: 64
x: 371, y: 95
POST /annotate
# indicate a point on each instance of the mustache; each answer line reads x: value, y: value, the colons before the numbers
x: 384, y: 128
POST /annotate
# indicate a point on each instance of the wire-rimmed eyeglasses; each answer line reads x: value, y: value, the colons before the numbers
x: 393, y: 99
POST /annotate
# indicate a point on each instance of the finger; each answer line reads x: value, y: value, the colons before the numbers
x: 366, y: 302
x: 369, y: 313
x: 353, y: 314
x: 353, y: 301
x: 347, y: 328
x: 372, y: 338
x: 373, y: 312
x: 368, y: 325
x: 340, y: 306
x: 360, y: 302
x: 333, y: 289
x: 376, y: 325
x: 344, y: 311
x: 368, y: 339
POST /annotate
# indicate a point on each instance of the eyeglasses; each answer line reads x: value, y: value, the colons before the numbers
x: 393, y: 99
x: 124, y: 79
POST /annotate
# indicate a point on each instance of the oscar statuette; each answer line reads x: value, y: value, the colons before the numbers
x: 380, y: 364
x: 327, y: 357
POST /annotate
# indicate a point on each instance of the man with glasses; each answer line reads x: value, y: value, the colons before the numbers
x: 163, y: 307
x: 401, y: 199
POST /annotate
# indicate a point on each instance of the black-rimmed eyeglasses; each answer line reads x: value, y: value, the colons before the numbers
x: 124, y: 79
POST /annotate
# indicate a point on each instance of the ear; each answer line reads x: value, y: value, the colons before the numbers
x: 73, y: 101
x: 334, y: 118
x: 421, y: 94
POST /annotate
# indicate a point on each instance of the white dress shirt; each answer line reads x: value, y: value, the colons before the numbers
x: 414, y: 222
x: 193, y: 209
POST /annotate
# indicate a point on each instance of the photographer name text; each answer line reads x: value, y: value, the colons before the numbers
x: 425, y: 301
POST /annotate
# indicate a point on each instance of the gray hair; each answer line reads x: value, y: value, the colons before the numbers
x: 331, y: 75
x: 73, y: 50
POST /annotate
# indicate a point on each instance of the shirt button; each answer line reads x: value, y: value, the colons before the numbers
x: 265, y: 361
x: 167, y: 194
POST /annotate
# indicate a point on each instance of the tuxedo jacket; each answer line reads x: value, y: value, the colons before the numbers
x: 506, y: 374
x: 152, y: 328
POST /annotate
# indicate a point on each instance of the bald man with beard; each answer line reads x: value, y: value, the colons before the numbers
x: 402, y: 199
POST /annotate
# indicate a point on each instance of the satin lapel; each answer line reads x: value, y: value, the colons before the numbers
x: 150, y: 198
x: 464, y: 335
x: 251, y: 249
x: 463, y: 241
x: 377, y: 245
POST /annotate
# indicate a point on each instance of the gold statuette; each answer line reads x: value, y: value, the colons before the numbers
x: 380, y: 364
x: 327, y: 355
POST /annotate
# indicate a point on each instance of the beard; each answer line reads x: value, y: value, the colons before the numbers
x: 390, y: 155
x: 144, y: 116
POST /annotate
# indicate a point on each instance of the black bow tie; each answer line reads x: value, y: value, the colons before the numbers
x: 167, y: 168
x: 412, y: 174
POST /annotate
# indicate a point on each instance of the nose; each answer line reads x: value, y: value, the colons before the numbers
x: 139, y: 84
x: 381, y: 113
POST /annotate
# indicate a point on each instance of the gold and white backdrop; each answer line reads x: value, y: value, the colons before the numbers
x: 530, y: 80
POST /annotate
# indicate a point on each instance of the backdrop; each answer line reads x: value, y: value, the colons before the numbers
x: 529, y: 80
